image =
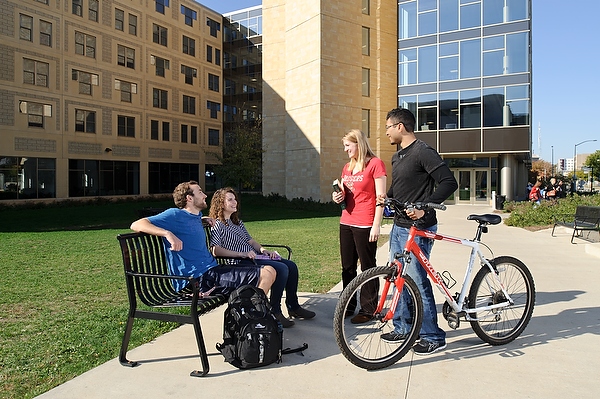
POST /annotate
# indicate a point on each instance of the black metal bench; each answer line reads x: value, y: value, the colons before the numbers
x: 149, y: 281
x: 586, y: 218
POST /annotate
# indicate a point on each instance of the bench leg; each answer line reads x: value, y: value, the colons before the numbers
x: 125, y: 344
x: 201, y: 349
x: 553, y: 227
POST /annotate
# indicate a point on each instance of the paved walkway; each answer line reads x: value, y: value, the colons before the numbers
x: 556, y: 356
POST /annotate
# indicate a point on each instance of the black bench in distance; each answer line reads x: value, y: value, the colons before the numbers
x: 149, y: 281
x: 586, y: 218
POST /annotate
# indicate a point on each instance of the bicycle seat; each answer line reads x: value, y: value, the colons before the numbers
x: 485, y: 219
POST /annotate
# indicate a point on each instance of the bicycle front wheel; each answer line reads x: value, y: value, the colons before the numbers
x: 361, y: 344
x: 502, y: 325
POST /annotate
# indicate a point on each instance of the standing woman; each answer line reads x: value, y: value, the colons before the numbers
x: 363, y: 179
x: 229, y: 238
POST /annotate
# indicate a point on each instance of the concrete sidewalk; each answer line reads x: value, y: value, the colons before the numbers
x: 555, y: 357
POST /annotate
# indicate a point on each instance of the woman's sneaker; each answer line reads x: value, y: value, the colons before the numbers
x: 424, y: 347
x: 301, y: 313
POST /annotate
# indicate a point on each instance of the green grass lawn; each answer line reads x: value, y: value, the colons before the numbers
x: 63, y: 299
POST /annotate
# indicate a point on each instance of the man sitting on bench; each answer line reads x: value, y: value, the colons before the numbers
x: 185, y: 242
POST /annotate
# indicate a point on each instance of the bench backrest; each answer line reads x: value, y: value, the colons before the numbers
x: 587, y: 211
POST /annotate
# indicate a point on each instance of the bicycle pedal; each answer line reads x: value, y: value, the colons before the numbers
x: 453, y: 320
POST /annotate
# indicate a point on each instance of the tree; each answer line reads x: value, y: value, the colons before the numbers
x: 593, y: 162
x: 241, y: 163
x: 541, y: 169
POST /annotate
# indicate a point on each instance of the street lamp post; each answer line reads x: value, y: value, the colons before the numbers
x: 552, y: 160
x: 573, y: 189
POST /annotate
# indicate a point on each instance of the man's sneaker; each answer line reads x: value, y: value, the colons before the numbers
x: 393, y: 337
x: 301, y: 313
x: 424, y: 347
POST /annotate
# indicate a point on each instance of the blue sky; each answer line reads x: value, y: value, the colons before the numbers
x: 566, y: 69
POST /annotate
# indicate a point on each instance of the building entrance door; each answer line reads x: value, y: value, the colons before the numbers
x: 473, y: 186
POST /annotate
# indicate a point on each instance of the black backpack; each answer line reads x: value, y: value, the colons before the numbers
x: 252, y: 335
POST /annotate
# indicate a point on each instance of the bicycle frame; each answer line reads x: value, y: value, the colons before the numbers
x: 456, y: 304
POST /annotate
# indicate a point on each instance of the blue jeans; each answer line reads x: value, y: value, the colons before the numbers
x: 287, y: 278
x: 430, y: 331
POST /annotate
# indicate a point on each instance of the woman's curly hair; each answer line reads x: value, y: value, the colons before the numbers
x: 217, y: 205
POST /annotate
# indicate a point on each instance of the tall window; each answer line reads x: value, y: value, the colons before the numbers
x: 35, y: 72
x: 25, y: 27
x: 189, y: 46
x: 133, y: 24
x: 366, y: 40
x: 213, y: 137
x: 86, y: 80
x: 159, y: 98
x: 125, y: 126
x: 85, y: 45
x: 93, y: 10
x: 190, y: 73
x: 214, y: 108
x: 77, y: 7
x: 126, y: 89
x: 214, y: 26
x: 217, y: 56
x: 183, y: 137
x: 189, y: 15
x: 126, y: 56
x: 119, y: 19
x: 160, y: 64
x: 193, y: 134
x: 45, y: 33
x: 189, y: 105
x: 209, y: 53
x: 366, y: 79
x: 85, y: 121
x: 161, y: 5
x: 366, y: 7
x: 213, y: 82
x: 159, y: 34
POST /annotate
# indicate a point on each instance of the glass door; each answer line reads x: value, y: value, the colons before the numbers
x: 464, y: 186
x: 473, y: 186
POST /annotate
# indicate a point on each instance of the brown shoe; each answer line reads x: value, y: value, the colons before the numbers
x: 361, y: 318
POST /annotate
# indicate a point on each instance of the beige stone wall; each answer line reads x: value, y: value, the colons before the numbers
x: 312, y: 71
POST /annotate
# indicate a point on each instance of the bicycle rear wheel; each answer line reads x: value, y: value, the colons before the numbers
x: 502, y: 325
x: 361, y: 344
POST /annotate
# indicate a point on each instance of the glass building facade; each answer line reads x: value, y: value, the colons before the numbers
x: 464, y: 70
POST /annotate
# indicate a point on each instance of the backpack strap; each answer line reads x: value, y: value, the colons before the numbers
x: 299, y: 349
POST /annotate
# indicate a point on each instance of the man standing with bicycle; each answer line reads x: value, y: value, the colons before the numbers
x: 418, y: 175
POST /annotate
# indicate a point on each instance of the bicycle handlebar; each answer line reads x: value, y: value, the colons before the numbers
x: 399, y: 206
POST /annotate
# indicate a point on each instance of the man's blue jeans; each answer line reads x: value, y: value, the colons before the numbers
x: 430, y: 331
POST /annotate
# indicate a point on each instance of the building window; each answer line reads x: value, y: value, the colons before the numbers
x: 193, y: 134
x: 126, y: 89
x: 155, y: 130
x: 27, y: 178
x: 213, y: 137
x: 217, y: 56
x: 213, y: 82
x: 93, y: 10
x: 189, y: 105
x: 366, y: 121
x: 366, y: 39
x: 427, y: 112
x: 161, y: 5
x: 45, y: 33
x: 190, y: 73
x: 214, y: 26
x: 99, y: 178
x: 214, y: 108
x: 133, y: 25
x: 160, y: 64
x: 77, y: 7
x: 366, y: 79
x: 85, y: 121
x: 125, y: 126
x: 209, y: 53
x: 448, y: 105
x: 366, y: 7
x: 35, y: 72
x: 470, y: 109
x: 427, y: 64
x: 189, y: 46
x: 159, y: 98
x: 26, y: 27
x: 36, y: 112
x: 119, y: 19
x: 189, y: 15
x: 86, y: 81
x: 184, y: 133
x: 126, y: 56
x: 448, y: 68
x: 85, y: 45
x: 162, y: 177
x: 159, y: 34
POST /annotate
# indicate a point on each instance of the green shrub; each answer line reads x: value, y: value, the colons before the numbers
x: 525, y: 214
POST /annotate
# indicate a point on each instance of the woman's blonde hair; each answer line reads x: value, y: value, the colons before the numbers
x: 364, y: 149
x: 217, y: 205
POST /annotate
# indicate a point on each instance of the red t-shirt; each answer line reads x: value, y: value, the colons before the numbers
x: 360, y: 193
